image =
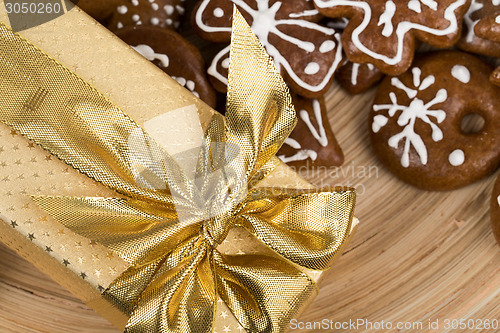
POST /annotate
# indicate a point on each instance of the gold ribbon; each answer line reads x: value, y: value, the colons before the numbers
x: 171, y: 240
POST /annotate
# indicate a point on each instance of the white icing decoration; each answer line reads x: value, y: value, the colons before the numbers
x: 497, y: 19
x: 327, y: 46
x: 312, y: 68
x: 379, y: 121
x: 187, y: 84
x: 469, y: 22
x: 169, y: 9
x: 212, y: 70
x: 147, y: 52
x: 319, y: 134
x: 190, y: 85
x: 401, y: 30
x: 415, y: 6
x: 135, y: 2
x: 461, y: 73
x: 311, y: 12
x: 154, y: 21
x: 119, y: 25
x: 301, y: 155
x: 386, y: 18
x: 182, y: 81
x: 136, y: 18
x: 495, y: 2
x: 155, y: 6
x: 293, y: 143
x: 169, y: 21
x: 180, y: 9
x: 416, y: 110
x: 457, y: 157
x: 355, y: 73
x: 264, y: 23
x: 122, y: 9
x: 218, y: 12
x: 498, y: 200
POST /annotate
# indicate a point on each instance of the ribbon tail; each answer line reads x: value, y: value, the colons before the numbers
x: 264, y: 293
x: 307, y: 227
x: 138, y: 231
x: 181, y: 297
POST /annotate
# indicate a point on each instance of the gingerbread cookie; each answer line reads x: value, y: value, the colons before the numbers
x: 470, y: 42
x: 116, y: 14
x: 306, y: 53
x: 384, y: 32
x: 416, y: 123
x: 489, y: 28
x: 495, y: 210
x: 312, y: 142
x: 174, y: 55
x: 358, y: 78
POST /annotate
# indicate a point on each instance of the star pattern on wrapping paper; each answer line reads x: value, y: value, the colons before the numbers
x: 385, y: 30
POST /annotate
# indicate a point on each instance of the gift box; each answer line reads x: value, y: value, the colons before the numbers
x: 155, y: 102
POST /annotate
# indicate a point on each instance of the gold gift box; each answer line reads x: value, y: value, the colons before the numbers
x: 144, y: 92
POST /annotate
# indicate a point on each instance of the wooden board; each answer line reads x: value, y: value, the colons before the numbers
x: 418, y: 256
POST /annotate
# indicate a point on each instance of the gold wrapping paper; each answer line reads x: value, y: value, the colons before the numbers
x: 99, y: 278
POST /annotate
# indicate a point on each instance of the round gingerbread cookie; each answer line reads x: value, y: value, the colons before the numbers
x: 384, y: 32
x: 306, y: 53
x: 358, y: 78
x: 312, y: 142
x: 470, y: 42
x: 117, y: 14
x: 495, y: 210
x: 174, y: 55
x: 417, y: 122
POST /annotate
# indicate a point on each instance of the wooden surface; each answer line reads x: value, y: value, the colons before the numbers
x: 418, y: 256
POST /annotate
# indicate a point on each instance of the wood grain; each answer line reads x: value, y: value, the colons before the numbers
x: 418, y: 256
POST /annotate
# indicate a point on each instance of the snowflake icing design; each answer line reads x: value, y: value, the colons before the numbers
x: 264, y: 23
x: 417, y: 109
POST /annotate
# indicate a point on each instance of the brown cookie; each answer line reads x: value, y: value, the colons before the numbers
x: 384, y: 32
x: 174, y: 55
x: 116, y: 14
x: 416, y: 123
x: 470, y: 42
x: 489, y: 28
x: 495, y: 210
x: 358, y: 78
x: 306, y: 53
x: 312, y: 142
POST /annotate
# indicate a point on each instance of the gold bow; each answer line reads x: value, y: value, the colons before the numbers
x: 169, y: 234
